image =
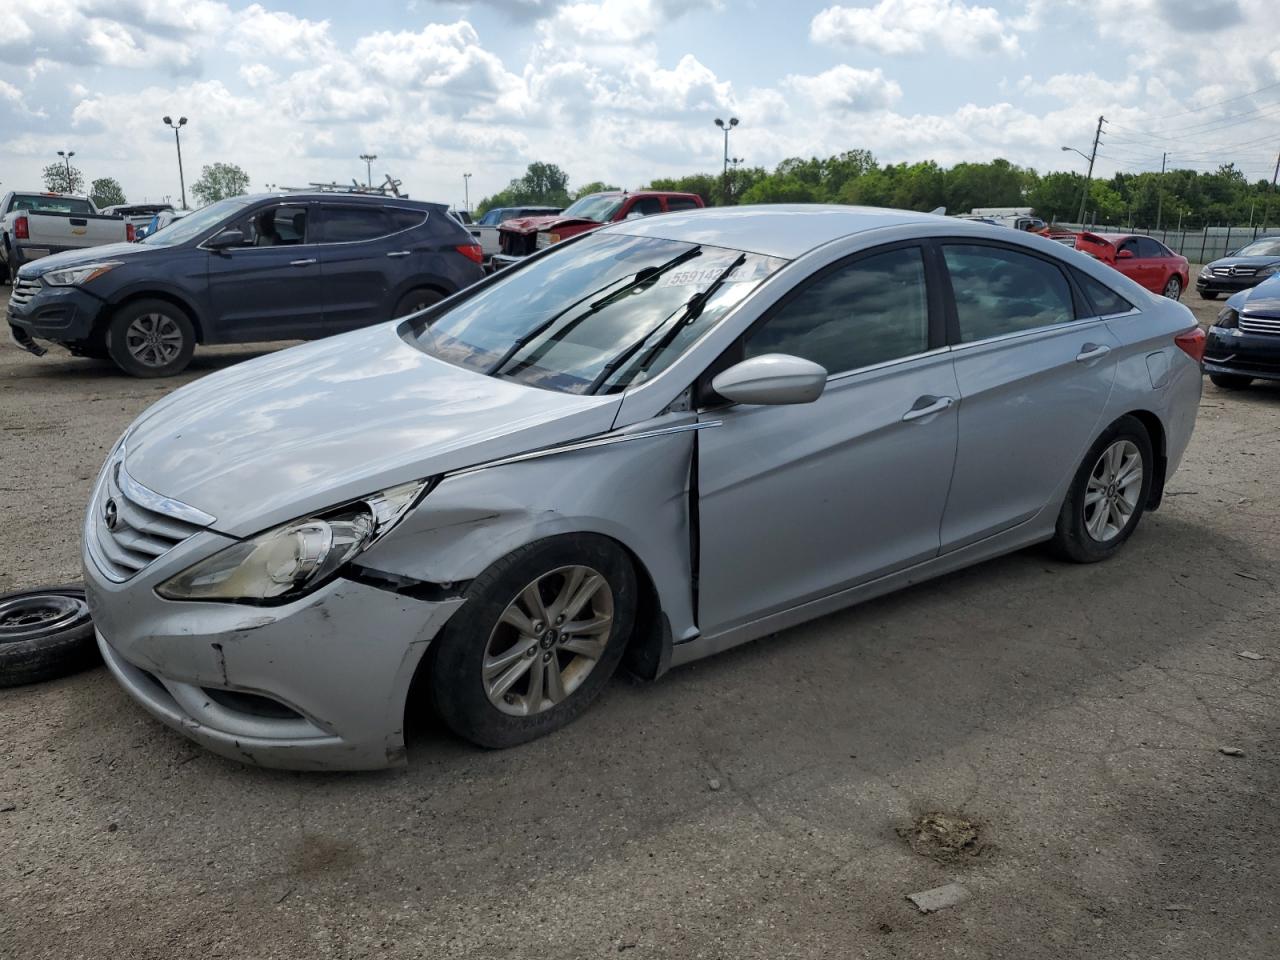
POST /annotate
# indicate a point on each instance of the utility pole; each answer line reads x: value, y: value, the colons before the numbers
x: 1160, y: 189
x: 1089, y: 176
x: 368, y: 159
x: 466, y: 191
x: 66, y: 155
x: 726, y: 127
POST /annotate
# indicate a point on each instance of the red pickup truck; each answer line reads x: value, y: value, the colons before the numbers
x: 521, y: 237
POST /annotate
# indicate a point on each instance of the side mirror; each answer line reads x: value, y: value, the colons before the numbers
x: 225, y: 239
x: 1124, y: 255
x: 774, y: 378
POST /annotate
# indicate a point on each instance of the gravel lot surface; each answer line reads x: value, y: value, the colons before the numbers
x: 747, y: 806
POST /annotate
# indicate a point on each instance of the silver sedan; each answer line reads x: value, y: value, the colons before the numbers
x: 645, y: 445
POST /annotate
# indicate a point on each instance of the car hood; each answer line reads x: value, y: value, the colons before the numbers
x: 74, y: 258
x: 1245, y: 262
x: 1260, y: 301
x: 317, y: 425
x: 535, y: 224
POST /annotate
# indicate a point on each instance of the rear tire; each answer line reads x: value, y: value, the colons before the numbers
x: 1102, y: 510
x: 1173, y: 287
x: 500, y: 674
x: 1230, y: 381
x: 416, y: 300
x: 151, y: 338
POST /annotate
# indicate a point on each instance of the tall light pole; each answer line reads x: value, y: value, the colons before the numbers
x: 177, y: 139
x: 368, y: 159
x: 726, y: 127
x: 66, y: 155
x: 466, y: 191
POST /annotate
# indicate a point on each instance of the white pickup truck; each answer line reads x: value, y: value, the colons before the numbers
x: 34, y: 225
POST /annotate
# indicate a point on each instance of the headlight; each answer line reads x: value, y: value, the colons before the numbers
x: 1206, y: 272
x: 1269, y: 271
x: 74, y: 276
x: 543, y: 240
x: 1228, y: 319
x: 294, y: 558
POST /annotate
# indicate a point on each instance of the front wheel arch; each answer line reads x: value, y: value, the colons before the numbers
x: 110, y: 309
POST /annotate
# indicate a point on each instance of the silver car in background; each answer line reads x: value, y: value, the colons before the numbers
x: 648, y: 444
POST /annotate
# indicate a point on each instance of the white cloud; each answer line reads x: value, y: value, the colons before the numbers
x: 911, y: 26
x: 847, y: 89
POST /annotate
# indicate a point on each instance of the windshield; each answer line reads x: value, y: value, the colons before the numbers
x: 596, y: 316
x: 38, y: 204
x: 599, y: 207
x: 1261, y: 248
x: 190, y: 227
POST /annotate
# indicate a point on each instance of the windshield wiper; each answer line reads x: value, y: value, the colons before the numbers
x: 643, y: 276
x: 690, y: 312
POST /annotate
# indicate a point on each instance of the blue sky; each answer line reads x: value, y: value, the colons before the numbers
x: 625, y: 90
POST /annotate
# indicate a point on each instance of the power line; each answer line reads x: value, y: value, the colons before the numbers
x: 1217, y: 103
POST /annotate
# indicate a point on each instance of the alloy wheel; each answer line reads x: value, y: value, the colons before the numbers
x: 1173, y: 289
x: 547, y: 641
x: 154, y: 339
x: 1111, y: 497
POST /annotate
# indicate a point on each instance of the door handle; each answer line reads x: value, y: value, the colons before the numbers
x: 399, y: 253
x: 1092, y: 351
x: 302, y: 263
x: 927, y: 407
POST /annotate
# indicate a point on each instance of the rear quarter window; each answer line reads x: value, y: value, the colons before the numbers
x: 1102, y: 298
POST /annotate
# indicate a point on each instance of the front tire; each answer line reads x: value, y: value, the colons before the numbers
x: 1108, y: 494
x: 151, y: 338
x: 1230, y: 381
x: 1173, y: 287
x: 1208, y: 295
x: 540, y: 634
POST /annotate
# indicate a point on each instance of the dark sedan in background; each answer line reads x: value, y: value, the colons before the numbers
x: 1244, y: 342
x: 1247, y: 267
x: 286, y: 266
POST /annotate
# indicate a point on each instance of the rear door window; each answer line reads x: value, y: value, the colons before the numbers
x: 352, y: 224
x: 999, y: 291
x: 1150, y: 248
x: 680, y: 203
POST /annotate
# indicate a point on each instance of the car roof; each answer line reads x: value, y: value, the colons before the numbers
x: 780, y: 230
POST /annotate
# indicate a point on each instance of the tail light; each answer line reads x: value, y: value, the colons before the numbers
x: 129, y: 232
x: 1191, y: 343
x: 472, y: 251
x: 20, y: 230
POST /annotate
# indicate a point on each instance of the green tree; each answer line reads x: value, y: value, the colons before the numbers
x: 219, y: 181
x: 595, y: 186
x: 1056, y: 196
x: 106, y: 192
x: 61, y: 177
x: 995, y: 184
x: 542, y: 184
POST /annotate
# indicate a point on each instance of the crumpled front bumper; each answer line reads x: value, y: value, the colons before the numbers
x: 317, y: 684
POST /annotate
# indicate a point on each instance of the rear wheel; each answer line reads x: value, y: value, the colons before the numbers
x: 416, y: 300
x: 151, y: 338
x: 1173, y: 287
x: 1108, y: 494
x: 1230, y: 381
x: 540, y: 634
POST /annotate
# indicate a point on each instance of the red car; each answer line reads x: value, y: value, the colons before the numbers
x: 521, y: 237
x: 1144, y: 260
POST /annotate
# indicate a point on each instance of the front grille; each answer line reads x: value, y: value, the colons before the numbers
x: 1259, y: 324
x: 24, y: 292
x: 516, y: 244
x: 1234, y: 271
x: 130, y: 525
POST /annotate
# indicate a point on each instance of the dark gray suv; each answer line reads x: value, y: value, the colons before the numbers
x: 291, y: 266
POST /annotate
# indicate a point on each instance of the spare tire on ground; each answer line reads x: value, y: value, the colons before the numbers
x: 45, y: 632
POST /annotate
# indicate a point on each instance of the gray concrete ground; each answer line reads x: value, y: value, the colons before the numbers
x: 745, y: 806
